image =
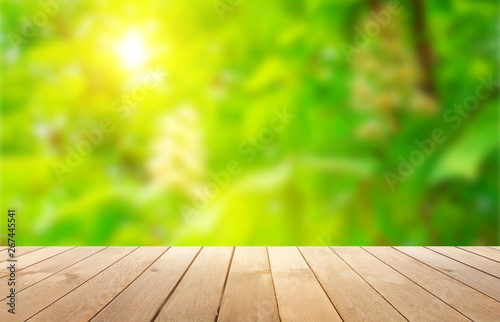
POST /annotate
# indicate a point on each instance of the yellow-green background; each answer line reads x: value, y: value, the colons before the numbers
x: 320, y: 181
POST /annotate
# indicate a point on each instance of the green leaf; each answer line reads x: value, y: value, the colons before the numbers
x: 463, y: 158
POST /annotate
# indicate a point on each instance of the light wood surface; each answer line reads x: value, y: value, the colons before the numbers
x: 19, y: 251
x: 466, y: 274
x: 364, y: 302
x: 142, y: 300
x: 461, y: 297
x: 27, y: 276
x: 485, y: 252
x: 253, y: 284
x: 468, y: 258
x: 300, y: 295
x: 249, y: 293
x: 409, y: 298
x: 203, y: 285
x: 82, y: 302
x: 27, y: 259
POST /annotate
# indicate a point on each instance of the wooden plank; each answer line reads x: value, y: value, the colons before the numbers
x: 20, y: 251
x: 463, y: 298
x: 338, y: 279
x: 41, y: 270
x: 3, y: 248
x: 35, y: 298
x: 495, y: 247
x: 299, y: 294
x: 487, y: 252
x: 482, y: 282
x: 249, y: 293
x: 36, y: 256
x: 40, y: 255
x: 89, y: 298
x: 411, y: 300
x: 142, y: 299
x: 483, y: 264
x: 199, y: 294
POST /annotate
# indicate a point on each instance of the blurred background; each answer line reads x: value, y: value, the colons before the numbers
x: 235, y: 122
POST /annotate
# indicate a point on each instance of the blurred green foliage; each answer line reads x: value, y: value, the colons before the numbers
x: 229, y: 67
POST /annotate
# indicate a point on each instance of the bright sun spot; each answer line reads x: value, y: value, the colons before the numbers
x: 131, y: 50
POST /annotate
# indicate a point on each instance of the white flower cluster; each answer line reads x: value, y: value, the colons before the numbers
x: 177, y: 158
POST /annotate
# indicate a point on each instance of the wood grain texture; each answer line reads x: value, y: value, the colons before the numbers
x: 463, y: 298
x: 37, y: 256
x: 253, y: 284
x: 338, y: 279
x: 299, y: 294
x: 142, y: 299
x: 199, y: 294
x: 249, y: 293
x: 487, y: 252
x: 476, y: 279
x: 35, y: 298
x: 415, y: 303
x: 479, y: 262
x: 20, y: 251
x: 43, y: 269
x: 85, y: 301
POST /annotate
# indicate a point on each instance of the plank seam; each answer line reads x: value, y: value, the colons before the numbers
x: 319, y: 282
x: 478, y: 254
x: 116, y: 296
x: 175, y: 287
x: 272, y: 281
x: 461, y: 261
x: 417, y: 284
x: 369, y: 284
x: 448, y: 275
x: 46, y: 258
x: 60, y: 270
x: 119, y: 259
x: 225, y: 283
x: 38, y: 263
x: 34, y: 250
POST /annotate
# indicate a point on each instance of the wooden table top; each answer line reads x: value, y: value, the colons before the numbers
x: 253, y: 284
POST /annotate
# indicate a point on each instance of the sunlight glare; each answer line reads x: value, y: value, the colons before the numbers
x: 131, y: 50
